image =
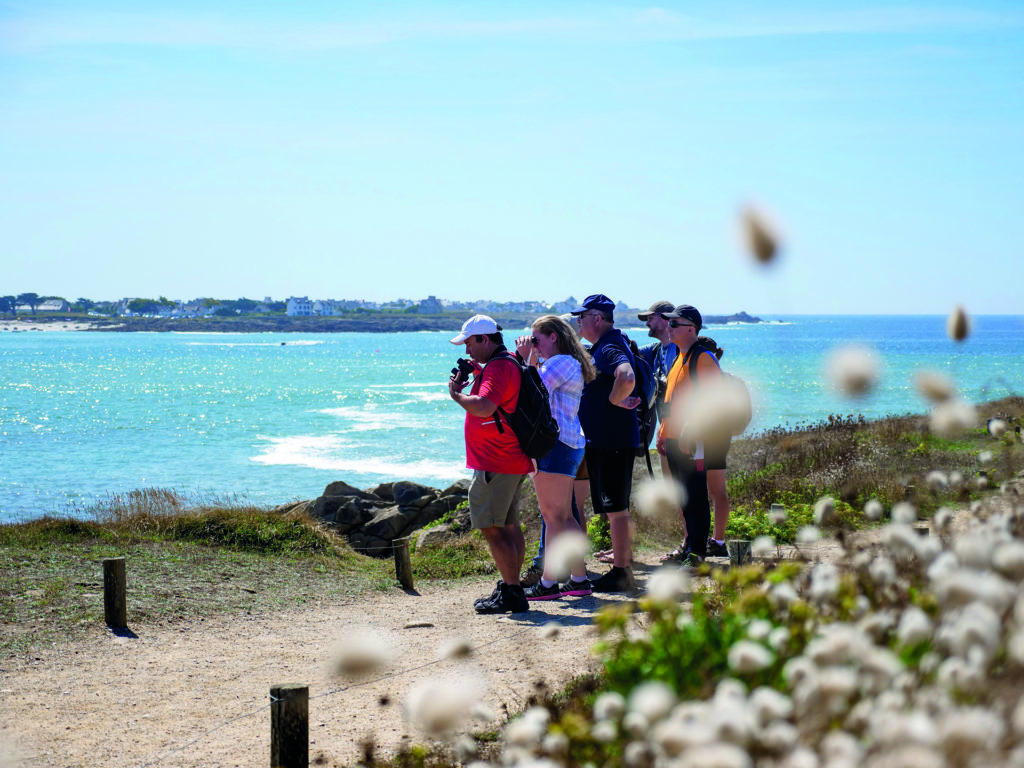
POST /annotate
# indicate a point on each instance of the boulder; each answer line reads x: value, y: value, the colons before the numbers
x: 408, y: 493
x: 439, y: 534
x: 384, y: 491
x: 458, y: 488
x: 341, y: 488
x: 393, y: 523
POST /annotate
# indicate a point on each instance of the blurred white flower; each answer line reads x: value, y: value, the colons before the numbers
x: 853, y: 370
x: 824, y: 510
x: 970, y: 730
x: 882, y: 571
x: 746, y: 657
x: 609, y: 706
x: 439, y: 705
x: 555, y: 744
x: 550, y: 629
x: 768, y: 704
x: 660, y: 498
x: 957, y: 324
x: 914, y: 627
x: 716, y: 755
x: 567, y: 551
x: 779, y: 638
x: 638, y: 754
x: 936, y: 480
x: 824, y: 582
x: 668, y: 585
x: 777, y: 737
x: 1008, y: 558
x: 808, y: 534
x: 759, y: 629
x: 761, y: 237
x: 604, y: 731
x: 1017, y: 718
x: 635, y: 724
x: 974, y: 549
x: 801, y: 757
x: 951, y: 417
x: 942, y: 519
x: 976, y: 625
x: 653, y: 700
x: 455, y: 648
x: 716, y: 412
x: 935, y: 387
x: 465, y: 749
x: 528, y: 729
x: 777, y: 514
x: 783, y: 593
x: 841, y: 748
x: 763, y: 546
x: 904, y: 513
x: 985, y: 457
x: 960, y: 586
x: 956, y: 479
x: 358, y: 655
x: 874, y: 510
x: 900, y: 540
x: 996, y: 427
x: 798, y: 669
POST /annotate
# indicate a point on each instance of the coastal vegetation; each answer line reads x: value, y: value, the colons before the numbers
x: 752, y: 663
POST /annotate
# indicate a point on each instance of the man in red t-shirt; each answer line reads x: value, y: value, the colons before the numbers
x: 498, y: 463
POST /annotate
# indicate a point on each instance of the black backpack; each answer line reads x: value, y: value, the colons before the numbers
x: 646, y: 388
x: 532, y: 423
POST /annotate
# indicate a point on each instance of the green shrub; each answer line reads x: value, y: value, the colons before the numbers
x: 599, y: 533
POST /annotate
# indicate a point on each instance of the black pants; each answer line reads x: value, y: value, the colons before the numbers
x: 697, y: 509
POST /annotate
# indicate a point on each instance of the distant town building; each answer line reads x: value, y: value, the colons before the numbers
x: 430, y: 306
x: 325, y: 308
x: 299, y: 306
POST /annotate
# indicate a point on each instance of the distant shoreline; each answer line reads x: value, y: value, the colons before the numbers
x: 375, y: 323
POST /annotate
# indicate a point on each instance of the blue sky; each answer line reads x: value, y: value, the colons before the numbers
x: 515, y: 150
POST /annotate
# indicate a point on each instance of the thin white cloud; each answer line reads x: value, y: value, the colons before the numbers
x: 654, y: 23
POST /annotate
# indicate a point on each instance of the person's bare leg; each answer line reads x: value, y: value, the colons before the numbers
x: 508, y: 550
x: 719, y: 500
x: 621, y: 529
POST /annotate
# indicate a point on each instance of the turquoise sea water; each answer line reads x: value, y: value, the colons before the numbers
x: 275, y: 417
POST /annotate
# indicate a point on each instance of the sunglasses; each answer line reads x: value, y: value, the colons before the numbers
x: 677, y: 324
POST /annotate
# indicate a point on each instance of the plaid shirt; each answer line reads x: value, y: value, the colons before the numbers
x: 561, y: 375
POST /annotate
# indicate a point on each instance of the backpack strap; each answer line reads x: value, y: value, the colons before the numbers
x: 505, y: 355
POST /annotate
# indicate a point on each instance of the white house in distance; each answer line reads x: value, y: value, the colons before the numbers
x: 299, y: 306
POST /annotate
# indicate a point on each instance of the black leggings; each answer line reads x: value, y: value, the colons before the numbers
x: 697, y: 509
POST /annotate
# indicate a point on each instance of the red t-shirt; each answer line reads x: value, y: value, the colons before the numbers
x: 486, y: 448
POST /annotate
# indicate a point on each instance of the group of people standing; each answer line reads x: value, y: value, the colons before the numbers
x: 593, y: 399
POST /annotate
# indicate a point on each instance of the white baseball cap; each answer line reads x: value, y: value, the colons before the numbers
x: 477, y: 325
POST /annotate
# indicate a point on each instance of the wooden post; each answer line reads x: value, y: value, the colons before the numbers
x: 115, y: 591
x: 403, y: 565
x: 739, y: 551
x: 289, y: 726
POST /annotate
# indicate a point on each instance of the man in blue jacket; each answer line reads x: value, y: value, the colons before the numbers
x: 608, y: 416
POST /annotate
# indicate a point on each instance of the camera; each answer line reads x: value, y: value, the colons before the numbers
x: 462, y: 370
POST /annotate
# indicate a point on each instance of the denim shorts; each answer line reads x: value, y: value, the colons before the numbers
x: 562, y: 460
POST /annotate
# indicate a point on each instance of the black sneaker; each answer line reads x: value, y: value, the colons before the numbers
x: 691, y: 561
x: 717, y: 550
x: 494, y: 594
x: 532, y: 575
x: 573, y: 588
x: 510, y: 599
x: 616, y: 580
x: 539, y: 592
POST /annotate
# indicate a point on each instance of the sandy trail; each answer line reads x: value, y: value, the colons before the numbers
x: 198, y: 694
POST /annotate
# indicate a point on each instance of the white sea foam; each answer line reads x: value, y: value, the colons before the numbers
x: 407, y: 385
x: 332, y: 452
x: 373, y: 418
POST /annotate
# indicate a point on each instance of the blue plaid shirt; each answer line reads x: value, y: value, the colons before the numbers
x: 561, y: 375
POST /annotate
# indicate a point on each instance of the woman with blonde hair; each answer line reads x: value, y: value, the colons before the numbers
x: 564, y: 366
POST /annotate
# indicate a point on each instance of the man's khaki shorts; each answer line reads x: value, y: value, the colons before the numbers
x: 494, y: 499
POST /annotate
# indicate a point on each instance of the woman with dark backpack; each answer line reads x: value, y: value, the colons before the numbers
x: 564, y: 367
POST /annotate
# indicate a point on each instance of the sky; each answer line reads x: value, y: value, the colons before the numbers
x: 516, y: 150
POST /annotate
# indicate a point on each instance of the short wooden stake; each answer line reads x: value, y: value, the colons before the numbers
x: 403, y: 564
x: 739, y: 551
x: 289, y: 726
x: 115, y: 593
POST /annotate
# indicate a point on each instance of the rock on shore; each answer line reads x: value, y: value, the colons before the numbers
x: 372, y: 519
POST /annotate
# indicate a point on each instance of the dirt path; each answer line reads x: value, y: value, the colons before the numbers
x: 197, y: 694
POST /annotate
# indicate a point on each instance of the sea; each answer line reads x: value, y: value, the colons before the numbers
x: 269, y: 418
